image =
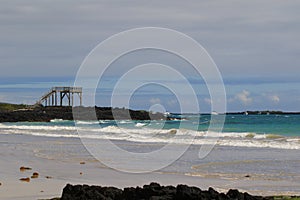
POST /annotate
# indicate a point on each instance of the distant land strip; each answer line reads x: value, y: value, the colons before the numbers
x: 21, y: 112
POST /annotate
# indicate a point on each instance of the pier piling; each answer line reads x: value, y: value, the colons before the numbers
x: 56, y: 94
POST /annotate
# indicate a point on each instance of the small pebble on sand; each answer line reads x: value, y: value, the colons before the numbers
x: 25, y: 179
x: 80, y: 173
x: 82, y: 162
x: 22, y: 169
x: 35, y: 175
x: 48, y: 177
x: 173, y: 131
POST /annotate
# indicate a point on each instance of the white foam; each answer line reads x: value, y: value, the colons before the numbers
x: 145, y: 134
x: 140, y: 124
x: 104, y: 121
x: 56, y: 120
x: 87, y: 122
x: 36, y: 127
x: 125, y: 122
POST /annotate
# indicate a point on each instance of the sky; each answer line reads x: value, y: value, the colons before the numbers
x: 254, y: 44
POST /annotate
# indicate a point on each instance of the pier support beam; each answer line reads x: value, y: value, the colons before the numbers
x: 51, y: 98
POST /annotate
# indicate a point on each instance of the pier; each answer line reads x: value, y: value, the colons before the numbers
x: 56, y: 96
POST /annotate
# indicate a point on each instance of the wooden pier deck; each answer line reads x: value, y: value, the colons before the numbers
x: 56, y: 95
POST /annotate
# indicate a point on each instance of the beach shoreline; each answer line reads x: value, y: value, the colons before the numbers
x: 60, y: 161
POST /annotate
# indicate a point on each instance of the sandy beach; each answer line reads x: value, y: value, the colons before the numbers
x: 65, y: 160
x: 128, y: 94
x: 57, y: 169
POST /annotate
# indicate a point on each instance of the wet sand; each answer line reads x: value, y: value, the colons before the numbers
x: 59, y: 161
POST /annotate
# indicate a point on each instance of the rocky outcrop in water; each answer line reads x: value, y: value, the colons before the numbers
x: 154, y: 191
x: 45, y: 114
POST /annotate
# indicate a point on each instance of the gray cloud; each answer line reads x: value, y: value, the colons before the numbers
x: 248, y: 40
x: 257, y: 37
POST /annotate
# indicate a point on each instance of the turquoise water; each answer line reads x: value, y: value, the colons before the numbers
x: 262, y: 131
x: 285, y: 125
x: 271, y: 163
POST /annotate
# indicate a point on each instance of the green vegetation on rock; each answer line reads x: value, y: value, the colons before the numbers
x: 286, y: 198
x: 12, y: 107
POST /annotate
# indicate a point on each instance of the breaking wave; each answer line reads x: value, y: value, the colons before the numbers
x: 138, y: 132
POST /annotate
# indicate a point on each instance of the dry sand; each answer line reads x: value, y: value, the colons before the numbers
x: 58, y: 168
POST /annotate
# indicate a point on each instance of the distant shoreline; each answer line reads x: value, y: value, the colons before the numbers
x: 21, y: 113
x: 264, y: 112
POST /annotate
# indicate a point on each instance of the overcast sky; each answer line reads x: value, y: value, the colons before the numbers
x: 255, y: 44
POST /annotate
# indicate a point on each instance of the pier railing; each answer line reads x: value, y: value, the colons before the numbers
x: 56, y: 95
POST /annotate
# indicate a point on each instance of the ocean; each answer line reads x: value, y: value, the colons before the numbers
x: 256, y: 153
x: 261, y: 131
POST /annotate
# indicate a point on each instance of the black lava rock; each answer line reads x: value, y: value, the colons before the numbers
x: 154, y: 191
x: 46, y: 114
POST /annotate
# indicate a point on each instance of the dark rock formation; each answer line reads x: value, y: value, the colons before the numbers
x: 45, y: 114
x: 79, y: 192
x: 154, y: 191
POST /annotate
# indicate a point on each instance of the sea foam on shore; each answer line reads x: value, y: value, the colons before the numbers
x: 259, y: 171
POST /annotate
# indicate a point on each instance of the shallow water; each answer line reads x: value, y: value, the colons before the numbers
x: 252, y: 153
x: 261, y: 131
